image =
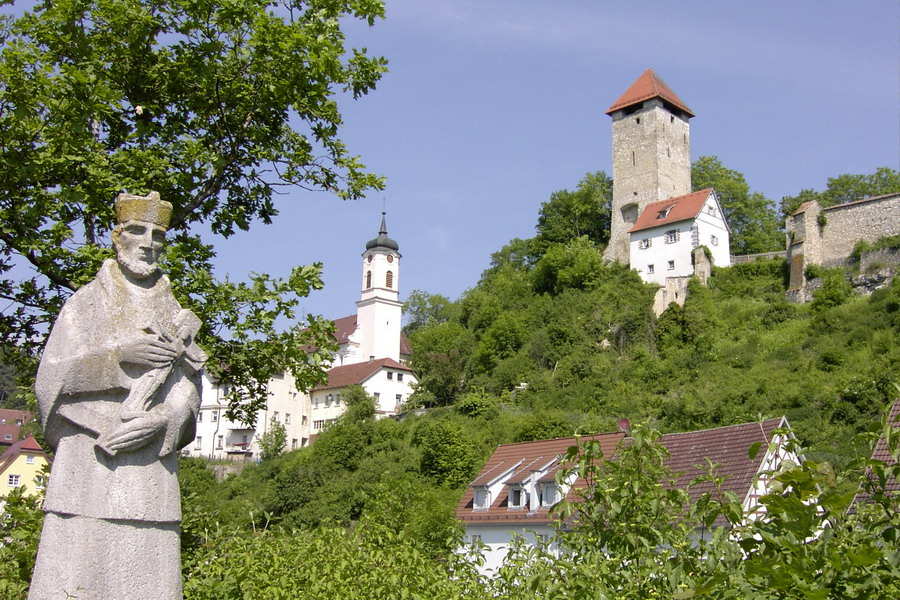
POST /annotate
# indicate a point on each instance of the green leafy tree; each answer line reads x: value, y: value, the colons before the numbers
x: 360, y: 405
x: 575, y: 264
x: 422, y: 309
x: 584, y: 212
x: 440, y: 355
x: 273, y: 442
x: 751, y: 216
x: 217, y: 107
x: 846, y: 188
x: 448, y: 457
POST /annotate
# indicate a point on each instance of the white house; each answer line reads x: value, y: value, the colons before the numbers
x: 390, y: 382
x: 221, y: 438
x: 663, y: 238
x: 513, y: 493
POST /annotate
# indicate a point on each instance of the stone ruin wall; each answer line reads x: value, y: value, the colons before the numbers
x: 864, y: 220
x: 830, y: 243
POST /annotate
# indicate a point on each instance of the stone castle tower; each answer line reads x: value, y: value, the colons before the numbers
x: 651, y: 155
x: 379, y: 309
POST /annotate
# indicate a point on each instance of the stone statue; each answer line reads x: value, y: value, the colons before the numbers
x: 118, y: 391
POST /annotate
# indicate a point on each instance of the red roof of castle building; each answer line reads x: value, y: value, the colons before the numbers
x: 671, y: 210
x: 345, y: 375
x: 647, y: 86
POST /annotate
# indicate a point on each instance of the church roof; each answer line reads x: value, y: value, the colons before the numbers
x: 346, y: 326
x: 647, y: 86
x: 345, y: 375
x: 383, y: 241
x: 671, y: 210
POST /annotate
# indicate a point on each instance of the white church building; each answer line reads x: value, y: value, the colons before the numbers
x: 372, y: 352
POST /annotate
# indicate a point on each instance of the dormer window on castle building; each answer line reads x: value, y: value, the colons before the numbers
x: 665, y: 212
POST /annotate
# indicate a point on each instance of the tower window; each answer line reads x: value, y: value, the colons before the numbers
x: 368, y: 279
x: 389, y: 279
x: 638, y: 120
x: 649, y: 269
x: 671, y: 265
x: 632, y: 160
x: 671, y: 118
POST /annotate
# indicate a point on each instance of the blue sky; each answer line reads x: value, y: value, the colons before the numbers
x: 490, y: 107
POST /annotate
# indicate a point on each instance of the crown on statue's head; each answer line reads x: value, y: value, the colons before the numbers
x: 149, y: 209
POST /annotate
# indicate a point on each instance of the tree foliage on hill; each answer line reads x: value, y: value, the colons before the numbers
x: 751, y: 216
x: 572, y: 214
x: 216, y: 106
x: 846, y: 188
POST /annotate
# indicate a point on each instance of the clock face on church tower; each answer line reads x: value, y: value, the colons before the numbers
x: 369, y: 258
x: 390, y: 258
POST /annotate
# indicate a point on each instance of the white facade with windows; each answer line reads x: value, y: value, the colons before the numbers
x: 666, y: 233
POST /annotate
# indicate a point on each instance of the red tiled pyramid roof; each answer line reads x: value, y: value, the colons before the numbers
x: 683, y: 208
x: 648, y: 85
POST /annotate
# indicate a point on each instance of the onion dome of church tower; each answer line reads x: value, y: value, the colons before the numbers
x: 383, y: 241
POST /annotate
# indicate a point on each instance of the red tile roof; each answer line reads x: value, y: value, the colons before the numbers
x: 647, y: 86
x: 522, y: 458
x: 682, y: 208
x: 346, y: 326
x: 882, y: 452
x: 726, y: 447
x: 8, y: 419
x: 345, y: 375
x: 29, y: 445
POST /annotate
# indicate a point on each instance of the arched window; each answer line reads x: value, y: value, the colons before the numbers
x: 389, y: 279
x: 368, y: 279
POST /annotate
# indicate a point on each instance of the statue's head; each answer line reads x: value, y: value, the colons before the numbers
x: 140, y: 233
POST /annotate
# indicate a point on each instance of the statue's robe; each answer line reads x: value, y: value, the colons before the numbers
x: 111, y: 528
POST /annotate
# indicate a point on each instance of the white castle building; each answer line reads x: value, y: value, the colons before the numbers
x: 372, y: 352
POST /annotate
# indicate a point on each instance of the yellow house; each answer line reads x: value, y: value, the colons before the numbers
x: 21, y: 465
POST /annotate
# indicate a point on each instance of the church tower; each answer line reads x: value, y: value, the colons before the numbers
x: 379, y: 309
x: 651, y: 155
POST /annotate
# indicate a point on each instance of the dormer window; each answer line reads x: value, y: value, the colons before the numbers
x: 549, y: 494
x: 518, y: 497
x: 482, y: 499
x: 665, y: 212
